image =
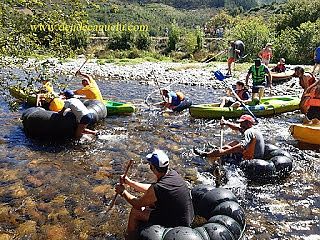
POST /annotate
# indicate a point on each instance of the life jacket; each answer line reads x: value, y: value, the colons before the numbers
x: 56, y: 104
x: 313, y: 99
x: 241, y: 93
x: 258, y: 74
x: 180, y: 95
x: 305, y: 84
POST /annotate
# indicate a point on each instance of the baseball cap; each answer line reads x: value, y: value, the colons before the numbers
x: 158, y: 158
x: 246, y: 117
x: 68, y: 94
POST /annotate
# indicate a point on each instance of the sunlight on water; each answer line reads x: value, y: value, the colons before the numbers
x: 51, y: 191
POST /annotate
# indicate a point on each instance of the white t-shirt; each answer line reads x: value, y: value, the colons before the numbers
x: 77, y: 107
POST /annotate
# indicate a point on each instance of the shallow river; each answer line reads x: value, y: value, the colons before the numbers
x: 57, y: 191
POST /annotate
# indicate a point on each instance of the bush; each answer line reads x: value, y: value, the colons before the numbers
x: 174, y: 37
x: 121, y: 41
x: 143, y: 41
x: 254, y: 32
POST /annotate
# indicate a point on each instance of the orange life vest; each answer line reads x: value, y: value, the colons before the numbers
x: 313, y: 99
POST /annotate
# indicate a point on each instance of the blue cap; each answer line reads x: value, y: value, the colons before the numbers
x: 68, y: 94
x: 158, y: 158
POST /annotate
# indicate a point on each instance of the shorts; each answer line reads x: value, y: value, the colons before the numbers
x: 87, y: 119
x: 255, y: 89
x: 231, y: 60
x: 313, y: 112
x: 317, y: 61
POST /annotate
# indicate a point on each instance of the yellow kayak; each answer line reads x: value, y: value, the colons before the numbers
x: 308, y: 133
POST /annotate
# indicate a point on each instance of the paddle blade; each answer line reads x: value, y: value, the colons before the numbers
x: 218, y: 75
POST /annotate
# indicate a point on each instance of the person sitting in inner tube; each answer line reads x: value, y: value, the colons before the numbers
x: 83, y: 116
x: 90, y: 87
x: 252, y: 146
x: 167, y: 202
x: 241, y: 91
x: 50, y: 101
x: 258, y: 72
x: 311, y: 101
x: 171, y: 99
x: 280, y: 66
x: 47, y: 98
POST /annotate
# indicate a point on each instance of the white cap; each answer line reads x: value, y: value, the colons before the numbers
x: 158, y: 158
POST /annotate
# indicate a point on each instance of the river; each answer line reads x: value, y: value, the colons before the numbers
x: 56, y: 191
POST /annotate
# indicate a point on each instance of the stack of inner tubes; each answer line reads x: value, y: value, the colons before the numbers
x: 277, y: 164
x: 43, y: 124
x: 225, y: 218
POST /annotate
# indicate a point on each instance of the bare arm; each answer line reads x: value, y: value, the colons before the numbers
x: 86, y: 76
x: 231, y: 125
x: 148, y: 199
x: 139, y: 187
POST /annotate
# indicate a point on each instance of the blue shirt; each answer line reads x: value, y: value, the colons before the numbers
x: 173, y: 99
x: 317, y: 54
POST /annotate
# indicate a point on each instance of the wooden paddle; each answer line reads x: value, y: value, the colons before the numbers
x: 212, y: 58
x: 116, y: 195
x: 81, y: 66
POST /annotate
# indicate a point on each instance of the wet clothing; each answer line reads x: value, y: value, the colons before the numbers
x: 174, y: 205
x: 279, y: 68
x: 173, y: 98
x: 77, y: 108
x: 91, y: 91
x: 249, y: 135
x: 87, y: 119
x: 258, y: 74
x: 313, y: 112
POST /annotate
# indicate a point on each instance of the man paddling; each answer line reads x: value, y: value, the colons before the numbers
x: 90, y: 87
x: 252, y: 145
x: 166, y: 202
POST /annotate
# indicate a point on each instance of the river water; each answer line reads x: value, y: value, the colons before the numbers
x: 61, y: 191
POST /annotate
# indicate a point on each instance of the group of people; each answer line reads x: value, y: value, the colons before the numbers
x: 167, y: 202
x: 48, y: 99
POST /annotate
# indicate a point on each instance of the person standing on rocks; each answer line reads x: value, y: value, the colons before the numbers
x: 233, y: 55
x: 258, y: 71
x: 266, y: 54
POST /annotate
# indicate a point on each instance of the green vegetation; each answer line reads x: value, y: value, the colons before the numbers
x: 57, y: 28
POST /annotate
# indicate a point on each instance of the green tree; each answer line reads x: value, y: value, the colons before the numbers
x: 174, y: 37
x: 254, y: 32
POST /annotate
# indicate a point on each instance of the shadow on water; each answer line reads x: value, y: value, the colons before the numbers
x: 56, y: 191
